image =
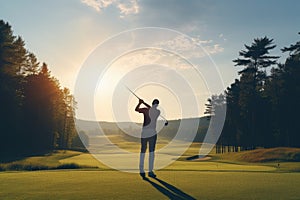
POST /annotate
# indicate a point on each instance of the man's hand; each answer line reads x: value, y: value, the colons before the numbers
x: 141, y: 101
x: 137, y: 108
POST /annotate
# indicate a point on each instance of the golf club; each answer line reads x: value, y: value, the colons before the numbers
x: 166, y: 121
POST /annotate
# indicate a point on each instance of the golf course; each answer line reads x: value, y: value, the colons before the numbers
x: 77, y: 175
x: 149, y: 100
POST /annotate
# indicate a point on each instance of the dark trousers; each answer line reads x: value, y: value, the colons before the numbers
x: 151, y: 141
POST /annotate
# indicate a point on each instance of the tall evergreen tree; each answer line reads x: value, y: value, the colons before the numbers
x: 284, y: 91
x: 255, y: 59
x: 232, y: 126
x: 35, y: 110
x: 215, y: 107
x: 12, y: 58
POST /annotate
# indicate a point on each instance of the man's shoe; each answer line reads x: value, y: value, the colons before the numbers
x: 152, y: 175
x: 143, y: 175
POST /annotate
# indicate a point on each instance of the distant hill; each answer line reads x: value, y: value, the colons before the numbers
x: 92, y: 128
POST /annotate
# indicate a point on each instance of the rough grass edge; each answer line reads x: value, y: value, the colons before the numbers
x: 30, y: 167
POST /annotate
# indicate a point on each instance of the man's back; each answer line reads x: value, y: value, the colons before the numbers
x: 153, y: 114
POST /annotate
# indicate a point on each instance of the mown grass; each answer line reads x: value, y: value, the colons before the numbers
x: 274, y: 160
x: 217, y: 163
x: 77, y: 185
x: 223, y: 177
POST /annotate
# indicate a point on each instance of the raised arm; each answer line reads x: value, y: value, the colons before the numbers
x: 137, y: 108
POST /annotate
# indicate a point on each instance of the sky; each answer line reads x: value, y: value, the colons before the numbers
x: 195, y: 42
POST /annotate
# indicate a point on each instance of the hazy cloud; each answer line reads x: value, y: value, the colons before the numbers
x: 98, y: 5
x: 128, y: 7
x: 191, y: 46
x: 124, y: 7
x: 186, y: 16
x: 222, y: 37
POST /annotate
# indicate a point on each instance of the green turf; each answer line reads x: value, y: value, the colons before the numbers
x: 119, y: 185
x: 225, y: 162
x: 222, y: 177
x: 88, y: 160
x: 215, y: 164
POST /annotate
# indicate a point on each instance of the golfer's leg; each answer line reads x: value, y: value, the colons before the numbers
x: 142, y: 154
x: 152, y: 143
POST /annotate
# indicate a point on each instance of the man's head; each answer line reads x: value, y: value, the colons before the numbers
x: 155, y: 102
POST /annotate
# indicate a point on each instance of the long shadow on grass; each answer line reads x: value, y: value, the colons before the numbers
x: 169, y: 190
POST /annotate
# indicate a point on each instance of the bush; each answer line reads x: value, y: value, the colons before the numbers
x: 296, y: 157
x: 26, y: 167
x: 69, y: 166
x: 35, y: 167
x: 2, y: 168
x: 14, y: 167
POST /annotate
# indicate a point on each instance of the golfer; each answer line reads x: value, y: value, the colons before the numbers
x: 149, y: 134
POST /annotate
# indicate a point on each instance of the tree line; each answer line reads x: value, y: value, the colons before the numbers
x: 37, y: 114
x: 262, y: 105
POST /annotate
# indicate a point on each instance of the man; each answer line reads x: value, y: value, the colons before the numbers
x: 149, y: 134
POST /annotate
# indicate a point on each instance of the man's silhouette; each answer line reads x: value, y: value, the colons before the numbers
x: 149, y: 134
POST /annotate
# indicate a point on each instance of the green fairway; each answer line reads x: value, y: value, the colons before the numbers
x: 220, y: 177
x: 225, y: 162
x: 118, y: 185
x: 88, y: 160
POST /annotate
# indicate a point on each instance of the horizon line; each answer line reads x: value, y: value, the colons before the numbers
x: 135, y: 121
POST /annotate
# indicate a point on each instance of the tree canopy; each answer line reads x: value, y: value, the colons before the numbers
x: 262, y: 108
x: 37, y: 113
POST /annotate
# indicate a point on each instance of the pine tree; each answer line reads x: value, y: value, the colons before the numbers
x: 255, y: 59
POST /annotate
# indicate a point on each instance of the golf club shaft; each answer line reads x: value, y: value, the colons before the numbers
x: 141, y: 99
x: 133, y: 93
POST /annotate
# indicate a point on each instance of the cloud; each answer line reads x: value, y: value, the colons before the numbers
x: 98, y: 5
x: 128, y: 7
x: 191, y: 47
x: 177, y: 14
x: 125, y: 7
x: 150, y: 56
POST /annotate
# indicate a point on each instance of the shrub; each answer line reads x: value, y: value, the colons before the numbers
x: 2, y: 168
x: 68, y: 166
